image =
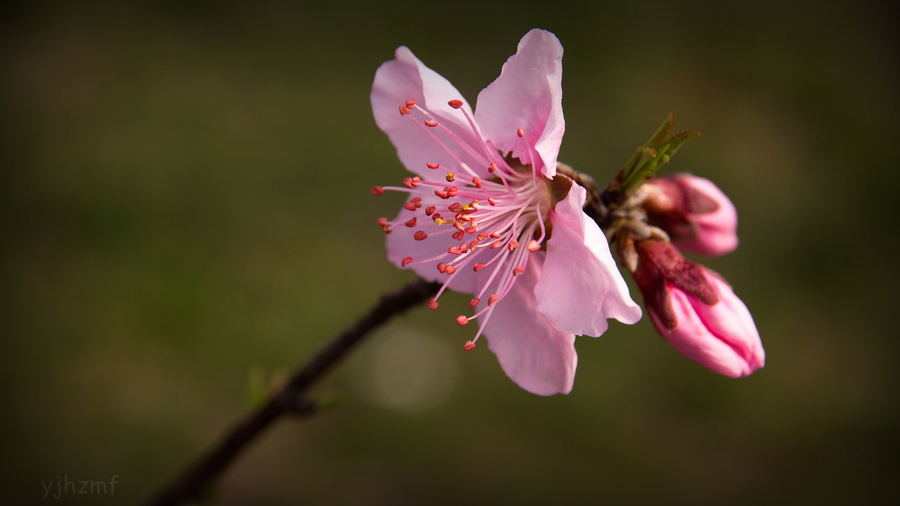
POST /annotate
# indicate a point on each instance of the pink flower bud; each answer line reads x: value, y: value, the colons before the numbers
x: 697, y: 312
x: 694, y: 212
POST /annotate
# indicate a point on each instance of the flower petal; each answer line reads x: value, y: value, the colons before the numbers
x: 527, y: 95
x: 581, y: 286
x: 536, y: 356
x: 403, y: 78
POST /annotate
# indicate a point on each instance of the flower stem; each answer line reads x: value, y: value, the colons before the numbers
x: 195, y: 482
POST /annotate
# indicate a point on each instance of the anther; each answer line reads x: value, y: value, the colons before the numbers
x: 462, y: 320
x: 469, y: 346
x: 474, y: 302
x: 456, y: 104
x: 518, y: 270
x: 455, y: 207
x: 377, y: 190
x: 451, y: 269
x: 411, y: 223
x: 493, y: 299
x: 416, y: 180
x: 476, y: 181
x: 496, y: 244
x: 441, y: 194
x: 492, y: 168
x: 482, y: 236
x: 520, y: 133
x: 491, y: 201
x: 429, y: 210
x: 450, y: 177
x: 441, y: 267
x: 404, y: 110
x: 420, y: 235
x: 464, y: 247
x: 533, y: 246
x: 513, y: 245
x: 459, y: 235
x: 408, y: 182
x: 432, y: 304
x: 453, y: 250
x: 477, y: 267
x: 473, y: 245
x: 495, y: 235
x: 471, y: 230
x: 406, y: 261
x: 382, y: 222
x: 410, y: 102
x: 432, y: 123
x: 432, y: 165
x: 410, y: 206
x: 459, y: 226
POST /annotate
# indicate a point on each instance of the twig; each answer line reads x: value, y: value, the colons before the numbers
x: 192, y: 484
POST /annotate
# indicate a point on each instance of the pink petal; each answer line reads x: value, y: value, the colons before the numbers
x: 721, y: 337
x: 536, y: 356
x: 581, y: 286
x: 401, y: 244
x: 404, y: 78
x: 718, y: 229
x: 527, y: 95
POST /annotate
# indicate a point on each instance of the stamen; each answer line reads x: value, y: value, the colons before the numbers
x: 420, y: 235
x: 432, y: 123
x: 432, y: 165
x: 411, y: 223
x: 410, y: 206
x: 520, y: 133
x: 432, y: 304
x: 459, y: 235
x: 533, y: 246
x: 382, y: 222
x: 518, y: 270
x: 451, y: 269
x: 406, y: 261
x: 377, y: 190
x: 410, y: 102
x: 450, y: 177
x: 456, y: 104
x: 429, y: 210
x: 476, y: 181
x: 513, y: 245
x: 491, y: 201
x: 477, y: 267
x: 462, y: 320
x: 474, y: 302
x: 404, y: 110
x: 469, y: 346
x: 493, y: 299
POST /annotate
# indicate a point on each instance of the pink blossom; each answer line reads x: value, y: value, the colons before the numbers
x: 488, y: 214
x: 694, y: 212
x: 697, y: 312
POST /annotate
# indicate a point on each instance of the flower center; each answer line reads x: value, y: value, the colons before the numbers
x: 494, y: 223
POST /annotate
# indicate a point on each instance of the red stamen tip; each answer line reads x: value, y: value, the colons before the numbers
x: 474, y: 302
x: 496, y: 244
x: 477, y: 267
x: 491, y: 201
x: 410, y: 206
x: 453, y: 250
x: 406, y: 261
x: 469, y: 346
x: 459, y: 235
x: 408, y: 182
x: 404, y: 110
x: 513, y: 245
x: 430, y: 122
x: 420, y: 236
x: 382, y: 222
x: 410, y: 102
x: 432, y: 304
x: 462, y: 320
x: 518, y: 270
x: 377, y: 190
x: 451, y: 269
x: 533, y: 246
x: 442, y: 268
x: 432, y: 165
x: 429, y: 210
x: 493, y: 299
x: 442, y: 194
x: 492, y: 168
x: 456, y: 104
x: 476, y: 181
x: 520, y: 133
x: 411, y: 223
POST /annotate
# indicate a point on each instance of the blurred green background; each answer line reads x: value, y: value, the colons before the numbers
x: 185, y: 209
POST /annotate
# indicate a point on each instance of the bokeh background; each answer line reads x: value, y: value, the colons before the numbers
x: 186, y: 216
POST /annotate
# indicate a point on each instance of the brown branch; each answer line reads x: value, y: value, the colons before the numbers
x: 197, y: 479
